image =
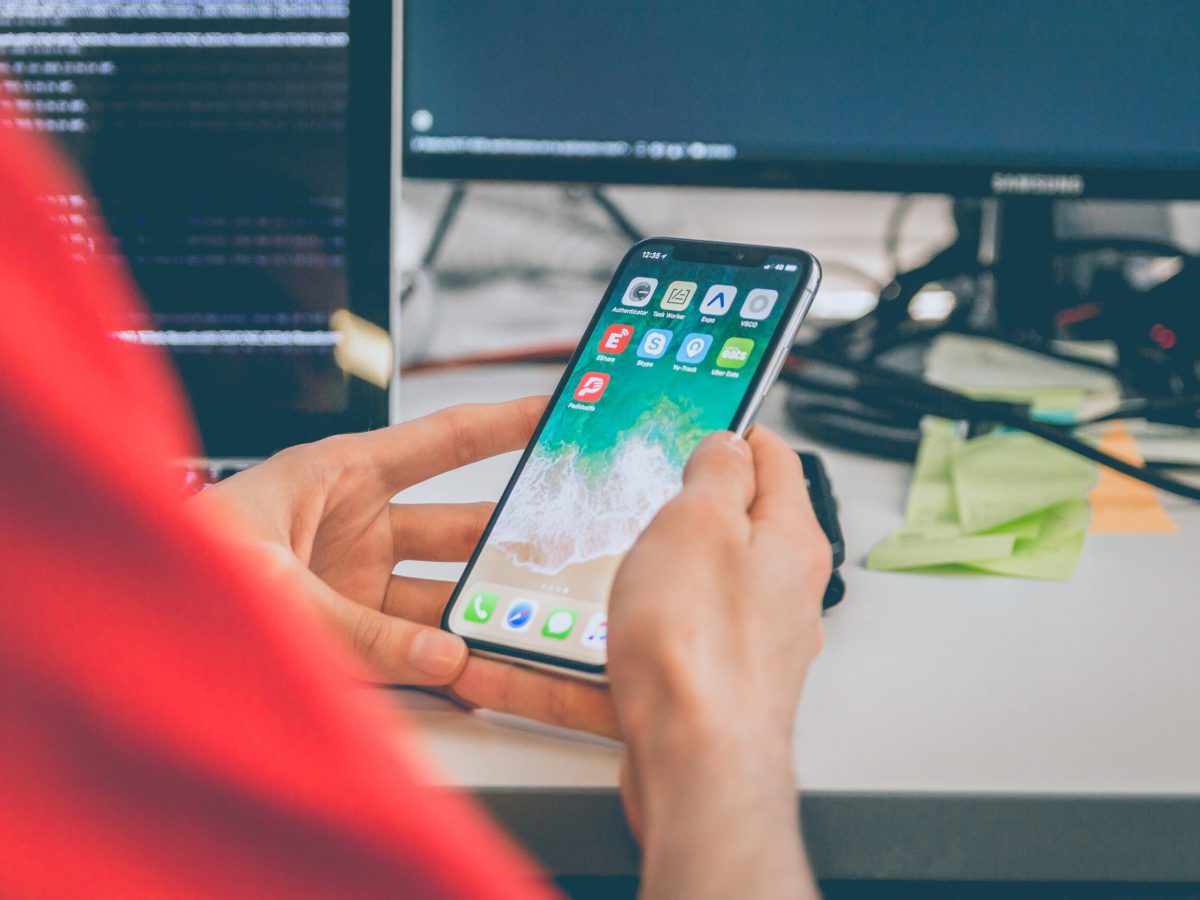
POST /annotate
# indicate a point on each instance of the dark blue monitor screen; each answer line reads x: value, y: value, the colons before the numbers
x: 962, y: 97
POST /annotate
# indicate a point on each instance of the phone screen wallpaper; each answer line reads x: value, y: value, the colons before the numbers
x: 668, y: 361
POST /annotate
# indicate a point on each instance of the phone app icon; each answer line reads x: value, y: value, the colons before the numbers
x: 481, y: 607
x: 718, y: 300
x: 616, y: 339
x: 654, y: 343
x: 639, y: 292
x: 679, y: 295
x: 591, y: 387
x: 595, y: 633
x: 759, y: 303
x: 559, y: 623
x: 519, y: 615
x: 735, y: 353
x: 694, y: 348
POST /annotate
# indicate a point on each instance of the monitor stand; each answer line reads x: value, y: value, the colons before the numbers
x: 1026, y: 288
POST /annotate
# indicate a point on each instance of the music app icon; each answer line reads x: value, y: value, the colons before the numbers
x: 591, y: 387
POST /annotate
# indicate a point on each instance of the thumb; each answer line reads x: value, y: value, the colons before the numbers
x: 398, y: 651
x: 722, y: 463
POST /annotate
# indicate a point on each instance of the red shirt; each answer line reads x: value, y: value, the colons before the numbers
x: 169, y: 725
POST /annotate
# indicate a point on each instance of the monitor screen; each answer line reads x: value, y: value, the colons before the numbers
x: 1066, y: 98
x: 239, y: 155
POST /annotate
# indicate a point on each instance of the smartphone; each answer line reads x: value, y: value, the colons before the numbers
x: 687, y: 340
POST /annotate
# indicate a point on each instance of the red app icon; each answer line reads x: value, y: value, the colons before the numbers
x: 616, y: 338
x: 591, y: 387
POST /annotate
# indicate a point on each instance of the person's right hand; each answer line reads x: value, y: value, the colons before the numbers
x: 714, y: 618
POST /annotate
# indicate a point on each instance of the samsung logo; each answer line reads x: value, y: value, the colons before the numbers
x: 1037, y: 183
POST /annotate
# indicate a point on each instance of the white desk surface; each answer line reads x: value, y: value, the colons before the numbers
x: 1023, y: 729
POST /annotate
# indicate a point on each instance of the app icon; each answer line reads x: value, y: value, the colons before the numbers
x: 679, y: 295
x: 734, y: 353
x: 591, y: 387
x: 615, y: 339
x: 519, y: 615
x: 694, y: 348
x: 718, y: 300
x: 654, y: 343
x: 481, y: 607
x: 559, y: 623
x: 759, y: 303
x: 639, y: 292
x: 595, y: 635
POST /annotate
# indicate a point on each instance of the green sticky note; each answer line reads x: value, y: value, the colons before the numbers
x: 908, y: 551
x: 1001, y: 477
x: 1026, y: 528
x: 1054, y: 554
x: 931, y: 503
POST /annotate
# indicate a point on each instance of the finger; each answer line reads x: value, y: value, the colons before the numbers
x: 397, y: 651
x: 414, y: 451
x: 722, y: 464
x: 437, y: 532
x: 417, y: 599
x: 781, y: 490
x: 555, y: 700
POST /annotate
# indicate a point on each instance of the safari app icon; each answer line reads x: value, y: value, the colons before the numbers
x: 519, y: 615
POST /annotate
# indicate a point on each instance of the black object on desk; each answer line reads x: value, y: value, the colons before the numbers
x: 820, y: 491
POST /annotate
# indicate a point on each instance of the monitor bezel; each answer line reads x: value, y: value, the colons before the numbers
x: 959, y: 180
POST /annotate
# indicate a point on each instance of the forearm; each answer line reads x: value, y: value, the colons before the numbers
x: 720, y: 822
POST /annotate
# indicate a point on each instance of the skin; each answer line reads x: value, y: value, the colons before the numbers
x: 714, y: 619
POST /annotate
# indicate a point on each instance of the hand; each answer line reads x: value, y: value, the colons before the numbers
x: 321, y: 513
x: 318, y: 518
x: 714, y: 618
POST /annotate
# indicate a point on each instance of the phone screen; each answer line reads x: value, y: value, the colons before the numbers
x: 677, y: 349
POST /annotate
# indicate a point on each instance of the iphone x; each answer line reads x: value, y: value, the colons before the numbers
x: 687, y: 339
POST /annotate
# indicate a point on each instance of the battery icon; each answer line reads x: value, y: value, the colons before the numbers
x: 791, y: 268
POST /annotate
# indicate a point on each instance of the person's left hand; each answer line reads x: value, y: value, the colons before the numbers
x: 321, y: 519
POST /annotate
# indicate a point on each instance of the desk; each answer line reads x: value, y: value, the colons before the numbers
x: 953, y: 728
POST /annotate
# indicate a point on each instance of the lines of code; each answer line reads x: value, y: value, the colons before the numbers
x: 213, y: 140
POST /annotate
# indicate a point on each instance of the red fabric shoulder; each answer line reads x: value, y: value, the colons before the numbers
x: 167, y: 728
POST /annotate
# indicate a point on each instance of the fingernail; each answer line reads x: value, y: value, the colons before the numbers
x: 732, y: 441
x: 435, y: 652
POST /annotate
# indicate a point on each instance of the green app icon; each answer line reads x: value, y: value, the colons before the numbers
x: 481, y: 607
x: 559, y: 623
x: 735, y: 353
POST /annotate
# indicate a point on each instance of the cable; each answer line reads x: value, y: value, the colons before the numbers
x: 441, y: 228
x: 884, y: 388
x: 617, y: 215
x: 893, y: 228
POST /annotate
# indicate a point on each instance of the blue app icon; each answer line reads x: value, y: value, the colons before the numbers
x: 654, y: 343
x: 520, y: 614
x: 694, y: 348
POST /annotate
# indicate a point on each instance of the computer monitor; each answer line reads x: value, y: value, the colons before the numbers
x: 981, y: 98
x: 240, y: 156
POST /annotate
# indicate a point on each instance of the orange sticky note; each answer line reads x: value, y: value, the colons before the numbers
x: 1121, y: 505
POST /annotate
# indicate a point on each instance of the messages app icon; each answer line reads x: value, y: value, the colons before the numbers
x: 481, y: 607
